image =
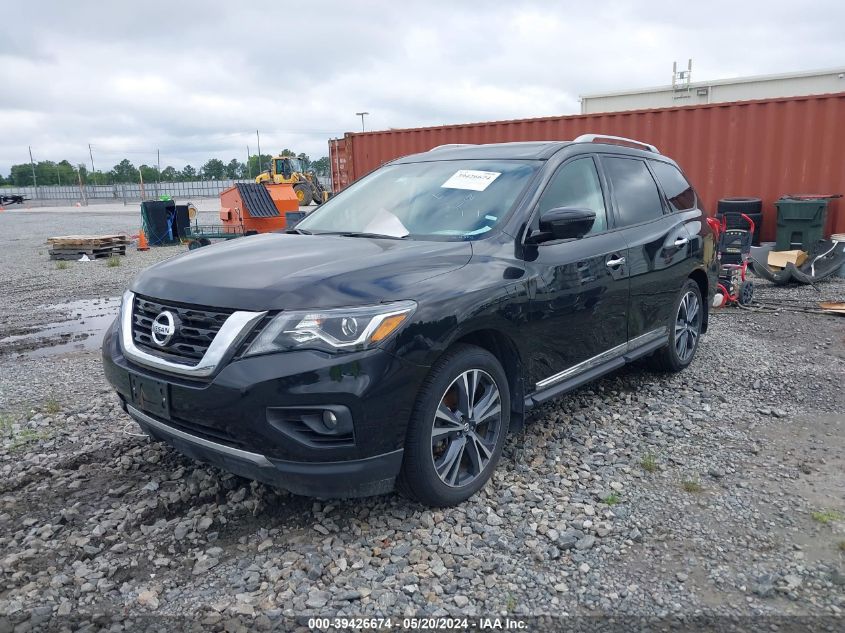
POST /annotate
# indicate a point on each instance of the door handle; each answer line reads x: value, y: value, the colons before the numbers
x: 613, y: 263
x: 681, y: 241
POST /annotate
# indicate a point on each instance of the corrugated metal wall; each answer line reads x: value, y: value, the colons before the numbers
x: 764, y: 148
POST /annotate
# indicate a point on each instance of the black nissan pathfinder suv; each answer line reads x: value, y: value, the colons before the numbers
x: 400, y: 331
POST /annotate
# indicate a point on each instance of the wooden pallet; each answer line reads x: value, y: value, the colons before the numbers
x: 73, y: 254
x: 88, y: 241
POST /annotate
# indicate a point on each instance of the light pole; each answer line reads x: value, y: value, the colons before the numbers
x: 362, y: 115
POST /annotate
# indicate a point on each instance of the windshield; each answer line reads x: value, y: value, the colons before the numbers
x: 447, y: 200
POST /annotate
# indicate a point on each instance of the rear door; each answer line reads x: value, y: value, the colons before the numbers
x: 580, y: 286
x: 658, y: 245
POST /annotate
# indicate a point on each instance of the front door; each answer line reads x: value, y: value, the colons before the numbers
x: 580, y: 287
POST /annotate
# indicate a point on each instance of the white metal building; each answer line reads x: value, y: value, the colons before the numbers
x: 684, y: 92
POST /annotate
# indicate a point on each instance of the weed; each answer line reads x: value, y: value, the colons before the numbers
x: 691, y: 485
x: 649, y: 463
x: 5, y: 424
x: 827, y: 516
x: 113, y: 261
x: 52, y: 406
x: 24, y: 437
x: 612, y: 499
x: 62, y: 265
x: 842, y: 546
x: 511, y: 602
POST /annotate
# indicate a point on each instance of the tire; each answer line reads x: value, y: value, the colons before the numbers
x: 194, y: 245
x: 670, y: 358
x: 746, y: 293
x: 303, y: 194
x: 736, y: 221
x: 475, y: 444
x: 250, y: 232
x: 739, y: 205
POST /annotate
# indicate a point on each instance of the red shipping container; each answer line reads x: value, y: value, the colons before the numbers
x: 764, y: 148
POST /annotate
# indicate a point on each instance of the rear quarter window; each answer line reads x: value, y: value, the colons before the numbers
x: 680, y: 193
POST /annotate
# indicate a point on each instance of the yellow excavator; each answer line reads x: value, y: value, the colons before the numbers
x: 290, y: 170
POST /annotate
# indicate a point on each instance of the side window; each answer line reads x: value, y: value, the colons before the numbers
x: 636, y: 194
x: 680, y: 193
x: 576, y: 184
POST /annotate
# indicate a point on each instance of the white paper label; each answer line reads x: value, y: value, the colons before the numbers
x: 471, y: 179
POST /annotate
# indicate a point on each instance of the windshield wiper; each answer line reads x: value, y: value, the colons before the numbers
x: 299, y: 231
x: 373, y: 235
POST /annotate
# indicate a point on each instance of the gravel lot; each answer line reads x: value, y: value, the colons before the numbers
x: 718, y: 491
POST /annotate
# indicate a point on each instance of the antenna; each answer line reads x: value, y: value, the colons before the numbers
x: 681, y: 80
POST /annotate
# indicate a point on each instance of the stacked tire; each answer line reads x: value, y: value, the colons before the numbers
x: 733, y: 208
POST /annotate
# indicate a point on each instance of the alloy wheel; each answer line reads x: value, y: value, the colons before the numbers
x: 687, y: 326
x: 466, y: 428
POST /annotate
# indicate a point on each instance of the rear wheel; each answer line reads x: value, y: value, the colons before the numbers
x: 458, y: 428
x: 684, y: 330
x: 303, y: 194
x: 746, y: 293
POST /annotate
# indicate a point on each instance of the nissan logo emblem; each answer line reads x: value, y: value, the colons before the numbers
x: 163, y: 328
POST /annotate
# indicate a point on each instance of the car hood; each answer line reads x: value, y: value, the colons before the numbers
x: 278, y: 271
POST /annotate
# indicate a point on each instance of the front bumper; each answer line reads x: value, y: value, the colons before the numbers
x: 228, y: 420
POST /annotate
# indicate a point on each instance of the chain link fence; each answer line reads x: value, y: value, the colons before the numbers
x: 126, y: 193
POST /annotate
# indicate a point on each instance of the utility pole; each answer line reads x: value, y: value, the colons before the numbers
x: 258, y: 138
x: 248, y: 166
x: 362, y: 115
x: 32, y: 164
x: 58, y: 175
x: 81, y: 189
x: 91, y: 154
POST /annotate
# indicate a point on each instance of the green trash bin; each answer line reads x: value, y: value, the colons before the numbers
x: 800, y: 222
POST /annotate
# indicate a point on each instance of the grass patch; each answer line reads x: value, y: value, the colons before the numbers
x: 27, y: 436
x: 113, y: 261
x: 691, y: 485
x: 649, y: 463
x: 52, y: 406
x: 511, y: 603
x: 612, y: 499
x: 825, y: 517
x: 62, y: 265
x: 5, y: 424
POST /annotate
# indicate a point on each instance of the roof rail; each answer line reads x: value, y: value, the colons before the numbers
x: 450, y: 145
x: 597, y: 138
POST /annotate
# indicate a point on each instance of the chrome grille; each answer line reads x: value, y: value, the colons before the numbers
x: 198, y: 327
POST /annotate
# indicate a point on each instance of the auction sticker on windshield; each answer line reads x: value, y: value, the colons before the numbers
x: 471, y: 179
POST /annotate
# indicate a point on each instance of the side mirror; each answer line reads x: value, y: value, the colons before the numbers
x: 563, y: 223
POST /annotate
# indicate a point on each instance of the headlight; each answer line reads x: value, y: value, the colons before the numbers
x: 338, y: 330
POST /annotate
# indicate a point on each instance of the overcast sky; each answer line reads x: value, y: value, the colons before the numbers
x: 195, y: 79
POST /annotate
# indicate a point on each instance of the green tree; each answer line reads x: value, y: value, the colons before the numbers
x: 21, y: 175
x: 287, y: 152
x: 149, y: 174
x: 235, y: 169
x: 321, y: 166
x: 188, y: 173
x: 124, y: 172
x: 214, y: 169
x: 254, y: 164
x: 169, y: 174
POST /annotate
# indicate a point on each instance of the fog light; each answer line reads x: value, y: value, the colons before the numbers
x: 330, y: 420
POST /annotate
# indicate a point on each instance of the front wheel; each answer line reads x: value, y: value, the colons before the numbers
x: 684, y: 330
x: 458, y: 428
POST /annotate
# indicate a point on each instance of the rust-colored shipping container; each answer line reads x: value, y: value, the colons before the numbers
x: 765, y: 148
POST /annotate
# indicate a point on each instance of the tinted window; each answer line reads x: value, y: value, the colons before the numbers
x: 675, y: 186
x: 576, y: 184
x: 635, y: 191
x: 443, y: 200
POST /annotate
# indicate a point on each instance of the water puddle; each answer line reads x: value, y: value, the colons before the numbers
x: 78, y: 326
